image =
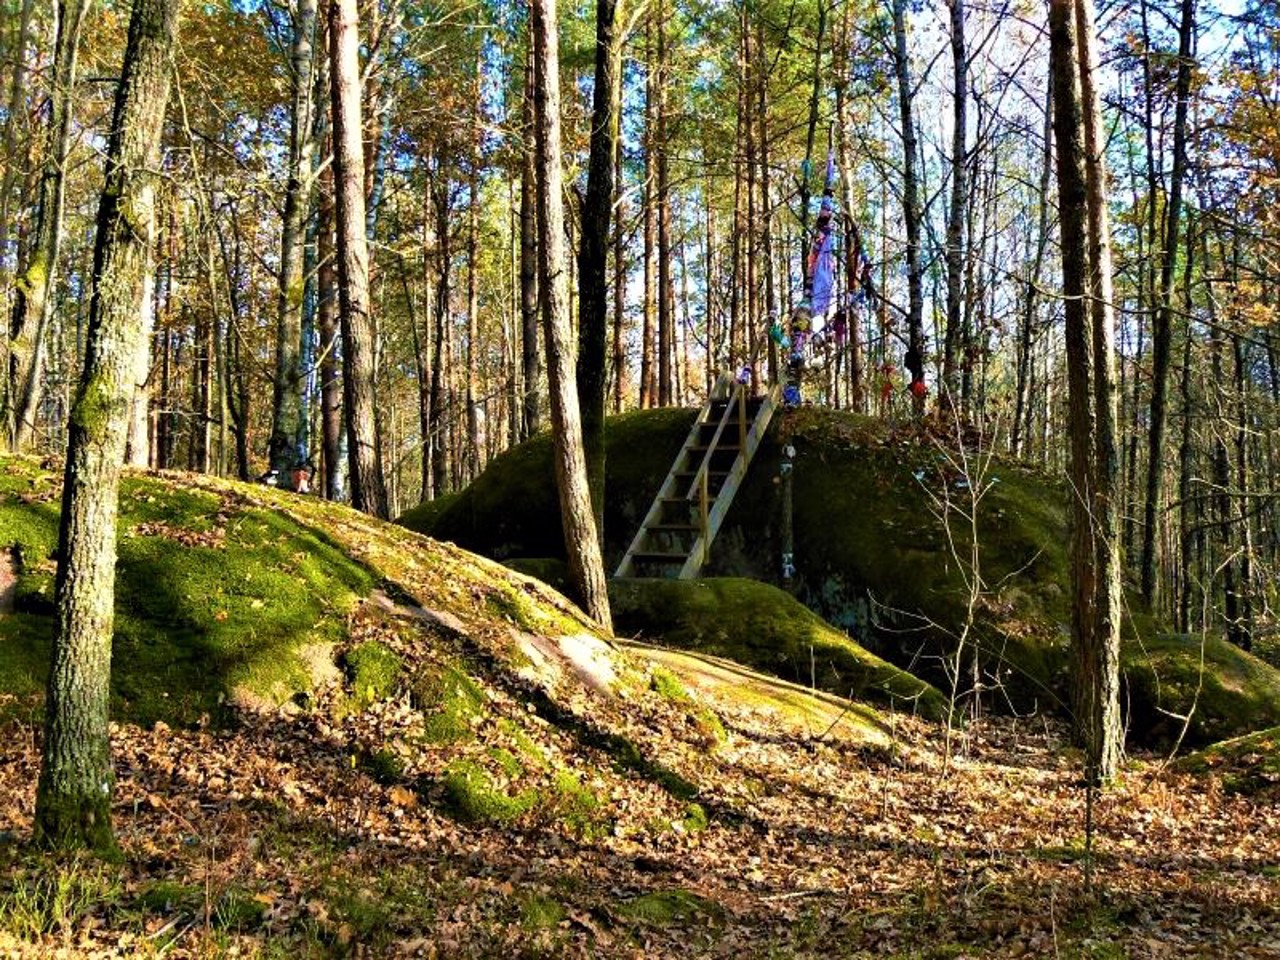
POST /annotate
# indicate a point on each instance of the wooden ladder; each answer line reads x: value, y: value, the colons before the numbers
x: 675, y: 539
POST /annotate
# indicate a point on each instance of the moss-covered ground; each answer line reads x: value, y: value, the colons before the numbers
x: 760, y: 626
x: 453, y: 781
x: 882, y: 544
x: 217, y: 599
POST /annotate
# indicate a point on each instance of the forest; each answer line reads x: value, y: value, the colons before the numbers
x: 639, y: 478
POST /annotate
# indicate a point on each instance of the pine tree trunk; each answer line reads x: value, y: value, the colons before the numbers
x: 1162, y: 332
x: 959, y: 209
x: 531, y: 417
x: 648, y: 373
x: 364, y: 455
x: 910, y: 192
x: 593, y: 253
x: 73, y: 799
x: 287, y: 425
x: 32, y: 304
x: 327, y: 321
x: 582, y: 544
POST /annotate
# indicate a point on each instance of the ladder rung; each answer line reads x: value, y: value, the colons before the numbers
x: 672, y: 527
x: 722, y: 448
x: 656, y: 557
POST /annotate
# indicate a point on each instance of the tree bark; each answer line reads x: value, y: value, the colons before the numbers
x: 287, y: 424
x: 1085, y: 255
x: 364, y: 455
x: 959, y: 208
x: 593, y: 254
x: 582, y: 544
x: 1162, y: 333
x: 32, y: 294
x: 910, y: 196
x: 73, y: 799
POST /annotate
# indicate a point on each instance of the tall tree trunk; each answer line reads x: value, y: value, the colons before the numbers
x: 531, y: 359
x: 1096, y: 649
x: 648, y: 372
x: 73, y: 799
x: 959, y: 208
x: 287, y: 424
x: 327, y: 321
x: 473, y: 460
x: 364, y: 455
x: 910, y: 200
x: 619, y: 279
x: 33, y: 292
x: 1102, y: 658
x: 593, y: 253
x: 440, y: 460
x: 666, y: 283
x: 1162, y: 334
x: 15, y: 116
x: 137, y: 448
x: 582, y: 544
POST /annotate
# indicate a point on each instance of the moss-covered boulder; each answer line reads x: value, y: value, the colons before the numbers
x: 217, y: 600
x: 1209, y: 685
x: 759, y: 625
x: 884, y: 523
x: 1248, y: 764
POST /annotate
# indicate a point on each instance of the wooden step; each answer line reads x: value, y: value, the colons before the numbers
x: 644, y: 556
x: 672, y: 527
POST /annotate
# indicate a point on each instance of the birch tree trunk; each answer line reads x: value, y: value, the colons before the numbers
x: 73, y: 799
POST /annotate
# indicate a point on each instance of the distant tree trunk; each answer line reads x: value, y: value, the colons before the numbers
x: 531, y: 359
x: 910, y: 197
x: 137, y: 448
x: 473, y: 462
x: 1085, y: 254
x: 15, y: 115
x: 364, y: 455
x: 582, y: 545
x: 959, y: 209
x: 440, y: 456
x: 1021, y: 413
x: 666, y: 283
x: 73, y: 799
x: 327, y: 321
x: 648, y: 334
x: 593, y: 254
x: 1162, y: 333
x: 286, y: 395
x: 32, y: 303
x: 619, y: 282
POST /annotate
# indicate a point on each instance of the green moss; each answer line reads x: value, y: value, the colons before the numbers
x: 1233, y: 694
x: 552, y: 571
x: 577, y: 805
x: 422, y: 518
x: 214, y: 597
x: 538, y: 912
x: 665, y: 907
x: 473, y: 796
x: 450, y: 700
x: 529, y: 751
x: 695, y: 818
x: 385, y: 766
x: 1249, y: 765
x: 759, y: 625
x: 667, y: 686
x: 508, y: 762
x: 373, y: 669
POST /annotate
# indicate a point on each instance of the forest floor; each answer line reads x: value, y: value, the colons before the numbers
x: 473, y: 774
x: 261, y: 841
